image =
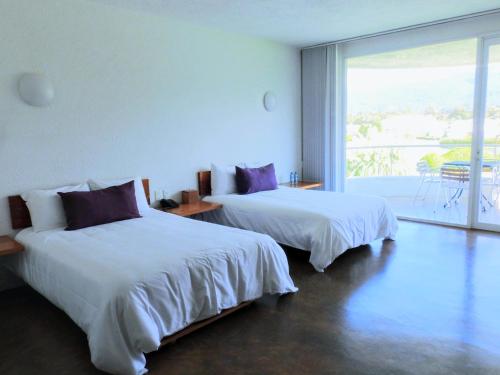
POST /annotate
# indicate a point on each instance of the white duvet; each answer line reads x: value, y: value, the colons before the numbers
x: 129, y: 284
x: 325, y: 223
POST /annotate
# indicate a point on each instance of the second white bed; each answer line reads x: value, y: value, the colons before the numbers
x: 325, y: 223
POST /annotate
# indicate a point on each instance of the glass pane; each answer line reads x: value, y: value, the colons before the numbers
x: 489, y: 208
x: 409, y: 128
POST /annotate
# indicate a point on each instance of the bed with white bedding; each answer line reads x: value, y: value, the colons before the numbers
x: 130, y: 283
x: 324, y: 223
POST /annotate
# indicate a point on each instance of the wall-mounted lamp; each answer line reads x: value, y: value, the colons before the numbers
x: 269, y: 101
x: 36, y: 89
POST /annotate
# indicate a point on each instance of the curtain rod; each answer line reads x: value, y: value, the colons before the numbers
x: 407, y: 28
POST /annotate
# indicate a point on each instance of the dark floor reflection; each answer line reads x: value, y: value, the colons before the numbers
x: 428, y: 303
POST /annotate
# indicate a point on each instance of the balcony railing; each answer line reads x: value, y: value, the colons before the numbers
x: 401, y: 160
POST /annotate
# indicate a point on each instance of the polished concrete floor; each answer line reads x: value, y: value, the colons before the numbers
x: 428, y: 303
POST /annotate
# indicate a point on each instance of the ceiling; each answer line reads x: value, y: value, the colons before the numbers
x: 308, y: 22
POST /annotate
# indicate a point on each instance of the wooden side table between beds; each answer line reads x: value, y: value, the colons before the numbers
x: 189, y: 209
x: 9, y: 246
x: 304, y: 185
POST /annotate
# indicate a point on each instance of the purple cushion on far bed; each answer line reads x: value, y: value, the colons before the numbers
x: 88, y: 208
x: 252, y: 180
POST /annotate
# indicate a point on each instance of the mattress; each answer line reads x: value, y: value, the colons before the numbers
x: 322, y: 222
x: 130, y: 283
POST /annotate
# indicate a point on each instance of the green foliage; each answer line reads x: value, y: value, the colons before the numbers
x: 381, y: 162
x: 456, y: 114
x: 367, y: 121
x: 374, y: 119
x: 434, y: 161
x: 460, y: 114
x: 456, y: 141
x: 377, y: 162
x: 493, y: 113
x: 468, y: 141
x: 457, y: 154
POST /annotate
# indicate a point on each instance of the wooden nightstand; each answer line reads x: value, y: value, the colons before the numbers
x: 188, y: 209
x: 9, y: 246
x: 304, y: 184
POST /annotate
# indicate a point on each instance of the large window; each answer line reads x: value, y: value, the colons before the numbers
x: 410, y: 127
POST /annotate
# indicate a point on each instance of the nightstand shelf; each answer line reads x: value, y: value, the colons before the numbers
x: 9, y: 246
x: 189, y: 209
x: 304, y: 184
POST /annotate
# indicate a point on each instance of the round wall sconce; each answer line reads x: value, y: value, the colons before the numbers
x: 36, y: 89
x: 269, y: 101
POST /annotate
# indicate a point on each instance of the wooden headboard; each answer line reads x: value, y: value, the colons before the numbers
x: 204, y: 183
x: 20, y: 215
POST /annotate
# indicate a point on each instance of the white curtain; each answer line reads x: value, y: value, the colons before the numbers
x: 321, y: 145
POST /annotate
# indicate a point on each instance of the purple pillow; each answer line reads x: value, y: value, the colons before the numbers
x: 88, y: 208
x: 252, y: 180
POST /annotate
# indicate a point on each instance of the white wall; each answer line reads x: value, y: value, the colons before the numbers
x: 137, y: 94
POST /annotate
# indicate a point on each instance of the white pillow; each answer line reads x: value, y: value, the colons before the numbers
x: 46, y: 208
x: 140, y: 195
x: 223, y: 179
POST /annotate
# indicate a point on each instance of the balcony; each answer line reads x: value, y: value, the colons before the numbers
x: 391, y: 172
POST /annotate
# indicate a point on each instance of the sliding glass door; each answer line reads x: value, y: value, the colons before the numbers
x: 409, y: 129
x: 422, y: 129
x: 487, y: 204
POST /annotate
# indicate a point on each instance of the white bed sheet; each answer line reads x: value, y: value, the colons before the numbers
x: 322, y: 222
x: 129, y: 284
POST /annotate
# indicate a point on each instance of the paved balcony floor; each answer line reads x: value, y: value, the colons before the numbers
x: 429, y: 203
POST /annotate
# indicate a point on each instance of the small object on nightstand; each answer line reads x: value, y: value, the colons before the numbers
x: 190, y: 196
x: 193, y: 208
x: 9, y: 246
x: 304, y: 184
x: 168, y: 203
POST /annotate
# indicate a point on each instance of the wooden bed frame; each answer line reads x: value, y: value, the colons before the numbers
x: 204, y: 183
x: 196, y: 326
x: 20, y: 219
x: 20, y: 216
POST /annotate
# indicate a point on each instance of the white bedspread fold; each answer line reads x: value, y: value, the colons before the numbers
x: 324, y: 223
x: 129, y: 284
